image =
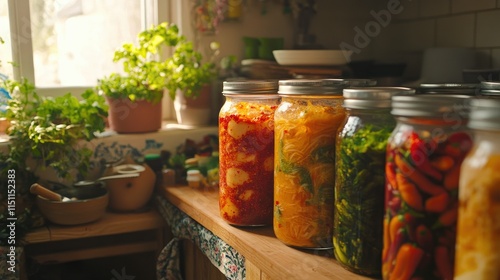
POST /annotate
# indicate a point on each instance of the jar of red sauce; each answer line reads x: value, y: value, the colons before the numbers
x: 478, y: 228
x: 306, y: 124
x: 424, y: 155
x: 246, y: 152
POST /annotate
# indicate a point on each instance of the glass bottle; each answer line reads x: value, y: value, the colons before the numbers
x: 246, y: 152
x: 478, y: 229
x: 306, y: 123
x: 360, y: 181
x: 424, y: 155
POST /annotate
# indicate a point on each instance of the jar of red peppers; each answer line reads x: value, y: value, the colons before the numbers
x: 424, y: 155
x: 360, y: 181
x: 306, y: 123
x: 246, y: 152
x: 478, y: 232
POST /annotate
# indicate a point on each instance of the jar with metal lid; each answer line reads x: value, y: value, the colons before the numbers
x: 360, y: 181
x: 246, y: 152
x: 306, y: 123
x: 478, y: 229
x: 424, y: 155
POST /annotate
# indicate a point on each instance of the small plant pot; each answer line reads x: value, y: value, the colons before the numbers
x: 193, y: 111
x: 140, y: 116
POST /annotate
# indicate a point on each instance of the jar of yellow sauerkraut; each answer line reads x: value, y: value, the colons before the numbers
x: 246, y: 152
x: 306, y: 123
x: 478, y: 228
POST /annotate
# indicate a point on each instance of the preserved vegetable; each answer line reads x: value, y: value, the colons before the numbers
x: 305, y: 130
x: 360, y: 181
x: 478, y: 228
x: 424, y: 156
x: 246, y: 139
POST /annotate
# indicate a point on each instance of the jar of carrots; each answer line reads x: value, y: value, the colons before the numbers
x: 306, y: 124
x: 424, y: 155
x: 360, y: 181
x: 478, y: 229
x: 246, y: 152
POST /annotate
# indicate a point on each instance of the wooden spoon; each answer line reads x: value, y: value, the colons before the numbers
x: 46, y: 193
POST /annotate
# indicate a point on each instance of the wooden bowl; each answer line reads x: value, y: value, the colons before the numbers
x: 90, y: 205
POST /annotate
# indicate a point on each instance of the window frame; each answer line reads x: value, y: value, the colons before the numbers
x: 154, y: 12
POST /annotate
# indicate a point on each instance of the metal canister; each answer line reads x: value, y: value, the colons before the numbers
x: 478, y: 228
x: 246, y: 152
x: 306, y: 123
x: 360, y: 181
x: 424, y: 155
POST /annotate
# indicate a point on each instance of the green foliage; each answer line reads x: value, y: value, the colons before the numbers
x: 49, y: 130
x: 147, y: 75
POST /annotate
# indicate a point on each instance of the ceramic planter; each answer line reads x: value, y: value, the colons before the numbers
x: 193, y: 111
x: 139, y: 116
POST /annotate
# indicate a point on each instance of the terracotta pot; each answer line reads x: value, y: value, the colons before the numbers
x: 139, y: 116
x: 193, y: 111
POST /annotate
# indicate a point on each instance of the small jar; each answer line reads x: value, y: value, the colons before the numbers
x: 194, y: 178
x: 477, y: 248
x: 306, y: 123
x: 424, y: 155
x: 360, y: 181
x: 246, y: 152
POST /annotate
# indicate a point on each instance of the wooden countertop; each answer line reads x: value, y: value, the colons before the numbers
x: 259, y: 245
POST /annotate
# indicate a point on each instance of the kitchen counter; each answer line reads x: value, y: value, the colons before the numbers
x: 265, y: 257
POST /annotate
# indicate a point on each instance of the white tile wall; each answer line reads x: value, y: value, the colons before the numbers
x: 461, y: 6
x: 455, y: 31
x: 410, y: 9
x: 414, y: 35
x: 487, y: 29
x: 430, y: 8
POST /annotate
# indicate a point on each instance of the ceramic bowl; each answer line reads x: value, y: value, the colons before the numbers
x: 88, y: 204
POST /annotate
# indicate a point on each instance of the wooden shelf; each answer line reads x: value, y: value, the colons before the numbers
x: 111, y: 223
x: 265, y: 256
x: 113, y: 235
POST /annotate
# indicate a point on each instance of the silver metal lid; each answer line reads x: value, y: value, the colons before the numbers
x: 356, y: 82
x: 312, y: 87
x: 372, y: 97
x: 490, y: 85
x: 451, y: 88
x: 485, y: 114
x: 431, y: 105
x: 250, y: 87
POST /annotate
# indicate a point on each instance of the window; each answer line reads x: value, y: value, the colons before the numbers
x: 5, y: 49
x: 66, y: 45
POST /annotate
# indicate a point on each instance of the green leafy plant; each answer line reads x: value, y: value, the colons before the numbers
x: 50, y: 130
x: 147, y: 74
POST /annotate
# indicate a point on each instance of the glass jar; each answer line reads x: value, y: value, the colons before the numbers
x: 306, y: 123
x: 360, y: 181
x: 246, y: 152
x: 424, y: 155
x: 478, y: 250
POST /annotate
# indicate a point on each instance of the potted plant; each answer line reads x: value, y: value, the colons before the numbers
x: 147, y: 75
x: 45, y: 134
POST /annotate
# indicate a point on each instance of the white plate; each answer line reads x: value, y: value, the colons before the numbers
x: 312, y: 57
